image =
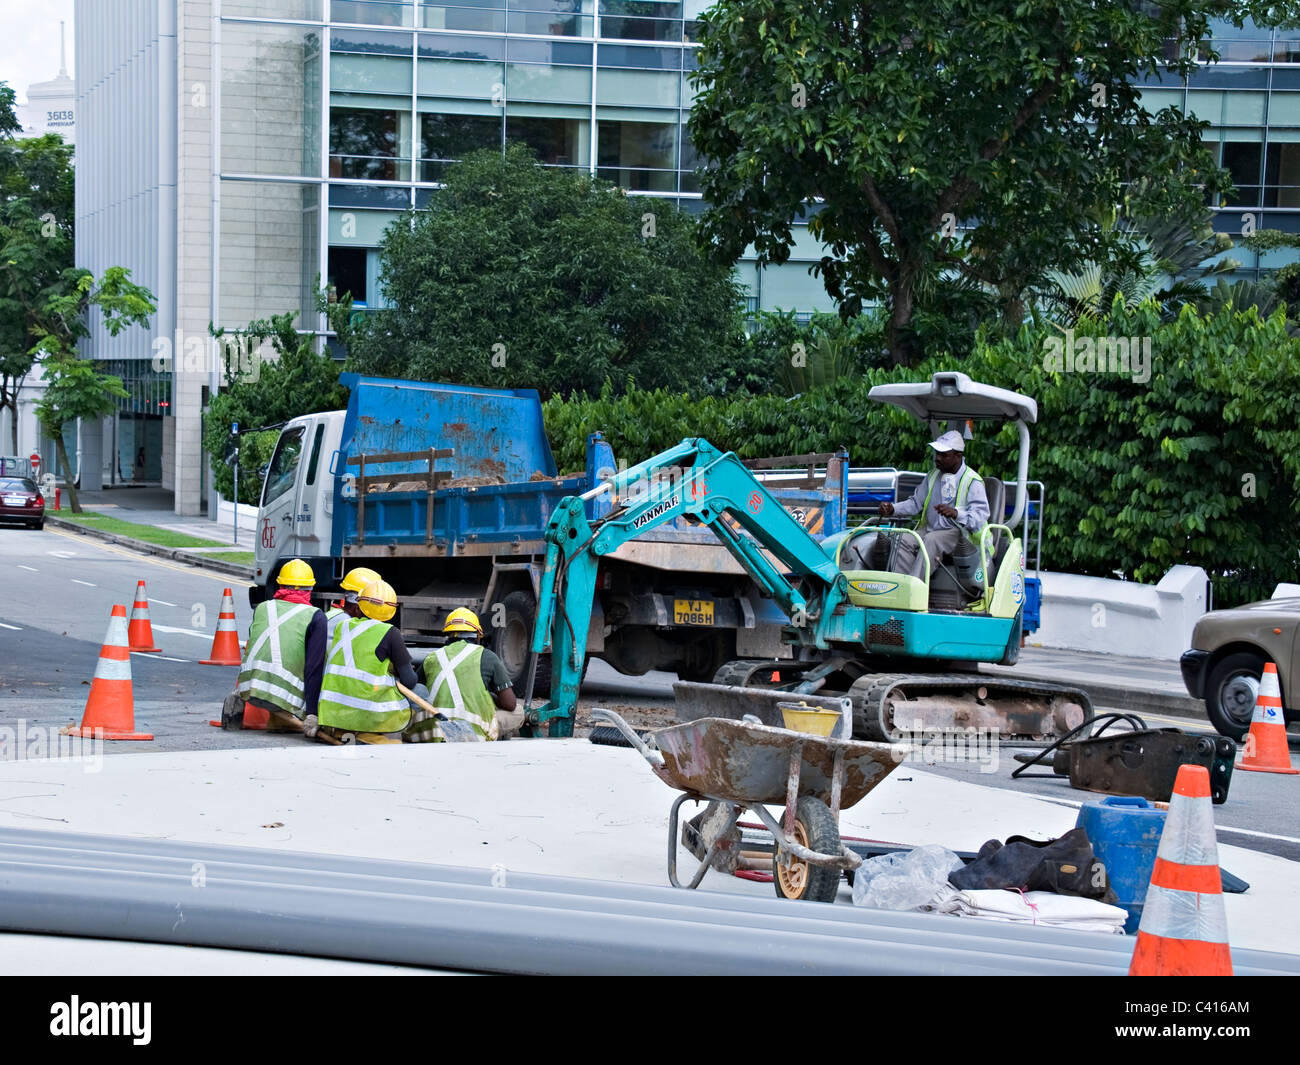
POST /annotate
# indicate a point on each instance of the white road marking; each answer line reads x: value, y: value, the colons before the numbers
x: 62, y: 554
x: 149, y: 560
x: 161, y: 658
x: 86, y: 583
x: 14, y: 627
x: 162, y: 601
x: 30, y: 569
x: 186, y: 632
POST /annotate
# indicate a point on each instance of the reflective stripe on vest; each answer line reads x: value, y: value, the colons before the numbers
x: 967, y: 479
x: 277, y: 655
x: 457, y: 688
x: 334, y: 617
x: 358, y: 692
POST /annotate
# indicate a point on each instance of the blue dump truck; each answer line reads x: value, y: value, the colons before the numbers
x: 446, y: 490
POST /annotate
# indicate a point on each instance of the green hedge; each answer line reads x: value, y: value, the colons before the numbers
x: 1199, y: 464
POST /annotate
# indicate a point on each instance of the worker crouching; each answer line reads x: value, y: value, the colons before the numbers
x: 367, y: 657
x: 467, y: 683
x: 284, y: 664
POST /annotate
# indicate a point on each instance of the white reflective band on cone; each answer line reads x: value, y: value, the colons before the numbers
x: 113, y: 669
x: 1191, y: 841
x: 1268, y: 685
x: 1173, y: 914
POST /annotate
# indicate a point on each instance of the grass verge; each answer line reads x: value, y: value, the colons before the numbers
x: 239, y: 558
x: 150, y: 534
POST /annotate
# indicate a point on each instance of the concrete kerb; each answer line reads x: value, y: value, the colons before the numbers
x: 176, y: 554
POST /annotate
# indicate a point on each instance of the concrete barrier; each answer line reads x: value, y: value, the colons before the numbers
x: 247, y: 518
x: 1123, y: 617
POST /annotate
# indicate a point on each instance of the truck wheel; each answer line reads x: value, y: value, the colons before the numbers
x: 712, y: 655
x: 814, y: 828
x: 1231, y: 691
x: 512, y: 642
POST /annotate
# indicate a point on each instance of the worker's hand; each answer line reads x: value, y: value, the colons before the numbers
x: 946, y: 510
x: 886, y: 510
x: 310, y: 725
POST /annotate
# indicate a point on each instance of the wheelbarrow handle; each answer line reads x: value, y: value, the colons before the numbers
x: 653, y: 757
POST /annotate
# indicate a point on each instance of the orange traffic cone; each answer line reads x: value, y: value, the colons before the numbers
x: 1184, y: 930
x: 140, y: 632
x: 225, y: 642
x: 1266, y: 750
x: 110, y: 712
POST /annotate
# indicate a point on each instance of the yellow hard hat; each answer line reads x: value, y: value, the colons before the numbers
x: 296, y: 574
x: 462, y: 619
x: 357, y: 579
x: 378, y: 600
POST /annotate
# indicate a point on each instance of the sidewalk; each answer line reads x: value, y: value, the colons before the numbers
x: 1115, y: 682
x: 153, y: 506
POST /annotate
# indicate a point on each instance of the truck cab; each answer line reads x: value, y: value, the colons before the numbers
x: 295, y: 515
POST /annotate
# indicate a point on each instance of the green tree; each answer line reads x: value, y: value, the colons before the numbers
x: 36, y: 250
x: 272, y: 373
x: 520, y: 275
x: 9, y: 124
x: 904, y: 121
x: 74, y: 388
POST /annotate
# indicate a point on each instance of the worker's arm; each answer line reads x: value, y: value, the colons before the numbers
x: 909, y: 508
x: 314, y: 669
x: 497, y: 681
x: 392, y: 649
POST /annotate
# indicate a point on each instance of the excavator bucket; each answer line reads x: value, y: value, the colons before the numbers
x: 695, y: 700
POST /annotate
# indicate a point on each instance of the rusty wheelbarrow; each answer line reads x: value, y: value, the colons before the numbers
x: 746, y: 765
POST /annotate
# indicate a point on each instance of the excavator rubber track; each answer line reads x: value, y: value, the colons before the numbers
x: 895, y: 707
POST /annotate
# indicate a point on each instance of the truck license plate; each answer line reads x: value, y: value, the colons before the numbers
x: 693, y: 611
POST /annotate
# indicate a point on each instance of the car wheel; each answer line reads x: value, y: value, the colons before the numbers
x: 1231, y: 691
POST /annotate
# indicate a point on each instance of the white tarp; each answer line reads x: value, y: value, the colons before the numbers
x: 1030, y: 907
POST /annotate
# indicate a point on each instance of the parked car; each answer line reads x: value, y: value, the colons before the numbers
x: 21, y: 500
x: 1227, y: 657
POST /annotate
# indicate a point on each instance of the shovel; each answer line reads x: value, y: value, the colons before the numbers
x: 452, y: 731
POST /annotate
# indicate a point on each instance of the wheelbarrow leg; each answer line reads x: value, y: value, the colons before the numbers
x: 708, y: 857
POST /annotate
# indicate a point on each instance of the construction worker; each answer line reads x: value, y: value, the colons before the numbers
x: 285, y: 659
x: 951, y: 500
x: 353, y: 583
x: 466, y: 682
x: 367, y: 657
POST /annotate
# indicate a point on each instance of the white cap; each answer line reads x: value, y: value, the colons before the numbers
x: 950, y: 441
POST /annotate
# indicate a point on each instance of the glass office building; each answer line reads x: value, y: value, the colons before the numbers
x: 238, y: 154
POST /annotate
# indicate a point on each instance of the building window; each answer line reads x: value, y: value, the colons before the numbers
x: 1282, y: 176
x: 1242, y: 162
x: 445, y: 138
x: 347, y: 275
x: 486, y: 17
x: 640, y: 156
x: 373, y: 12
x: 557, y: 141
x: 368, y: 144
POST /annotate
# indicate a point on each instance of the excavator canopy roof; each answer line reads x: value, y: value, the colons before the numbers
x: 952, y: 395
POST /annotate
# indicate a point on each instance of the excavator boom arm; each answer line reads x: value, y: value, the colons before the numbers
x: 693, y: 480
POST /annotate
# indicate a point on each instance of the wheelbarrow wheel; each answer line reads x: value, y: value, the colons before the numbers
x: 814, y: 828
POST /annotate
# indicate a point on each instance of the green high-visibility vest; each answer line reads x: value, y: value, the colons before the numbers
x: 963, y: 491
x: 334, y: 617
x: 456, y: 687
x: 277, y: 655
x: 358, y: 693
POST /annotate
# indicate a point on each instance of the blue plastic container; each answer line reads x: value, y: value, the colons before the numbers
x: 1125, y: 833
